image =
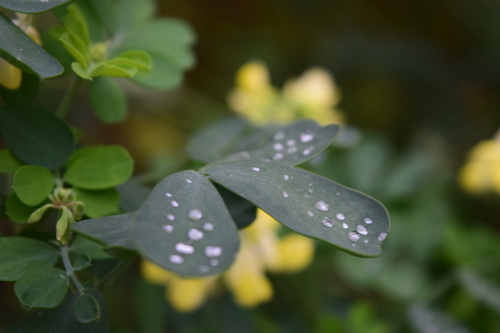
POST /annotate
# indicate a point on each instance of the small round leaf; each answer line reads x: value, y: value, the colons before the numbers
x: 87, y: 309
x: 33, y: 184
x: 108, y: 100
x: 99, y: 203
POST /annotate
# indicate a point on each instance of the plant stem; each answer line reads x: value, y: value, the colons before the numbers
x: 69, y: 268
x: 63, y: 108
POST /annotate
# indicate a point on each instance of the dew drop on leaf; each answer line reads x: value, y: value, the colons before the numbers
x: 195, y: 234
x: 327, y: 222
x: 184, y: 248
x: 174, y: 203
x: 213, y: 251
x: 168, y: 228
x: 176, y: 259
x: 340, y: 216
x: 368, y: 220
x: 353, y: 236
x: 382, y: 236
x: 195, y: 214
x: 321, y: 205
x: 361, y: 229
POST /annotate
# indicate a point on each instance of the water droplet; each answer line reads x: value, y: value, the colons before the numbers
x: 291, y: 150
x: 366, y: 241
x: 382, y: 236
x: 171, y: 217
x: 311, y: 214
x: 189, y: 181
x: 285, y: 194
x: 176, y: 259
x: 345, y: 226
x: 255, y: 169
x: 361, y: 229
x: 278, y: 156
x: 353, y: 236
x: 279, y: 136
x: 368, y: 220
x: 195, y: 214
x: 278, y: 146
x: 174, y: 203
x: 195, y: 234
x: 265, y: 159
x: 168, y: 228
x: 327, y: 222
x: 208, y: 226
x: 168, y: 194
x: 321, y: 205
x: 310, y: 190
x: 310, y: 184
x: 306, y: 137
x: 290, y: 142
x: 213, y: 251
x: 204, y: 268
x: 184, y: 248
x: 307, y: 196
x: 338, y: 193
x: 214, y: 262
x: 286, y: 177
x: 307, y: 151
x: 340, y: 216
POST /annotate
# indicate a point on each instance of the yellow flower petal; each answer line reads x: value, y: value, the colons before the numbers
x: 253, y: 76
x: 33, y: 33
x: 155, y: 274
x: 247, y: 281
x: 295, y: 252
x: 482, y: 172
x: 10, y: 76
x: 187, y: 295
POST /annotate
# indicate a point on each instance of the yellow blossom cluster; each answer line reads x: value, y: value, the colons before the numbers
x: 481, y: 173
x: 261, y: 250
x: 313, y: 95
x: 10, y: 75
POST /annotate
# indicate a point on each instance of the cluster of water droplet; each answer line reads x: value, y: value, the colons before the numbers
x: 282, y: 146
x: 194, y: 234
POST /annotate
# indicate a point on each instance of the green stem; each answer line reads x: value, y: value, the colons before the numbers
x: 63, y: 108
x: 69, y: 268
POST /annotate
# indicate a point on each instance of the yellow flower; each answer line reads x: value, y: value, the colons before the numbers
x: 10, y: 75
x: 313, y: 95
x: 481, y: 173
x: 261, y: 250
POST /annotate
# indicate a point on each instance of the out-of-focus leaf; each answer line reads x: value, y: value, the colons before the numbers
x: 19, y: 255
x: 185, y: 227
x: 99, y: 202
x: 150, y: 307
x: 132, y: 196
x: 81, y: 262
x: 309, y: 204
x: 35, y: 136
x: 427, y: 320
x: 108, y: 100
x: 8, y: 162
x: 42, y: 287
x: 480, y: 288
x: 31, y: 6
x: 20, y: 50
x: 242, y: 211
x: 17, y: 210
x: 94, y: 250
x: 26, y: 92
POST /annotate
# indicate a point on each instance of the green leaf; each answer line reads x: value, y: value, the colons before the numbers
x: 132, y: 196
x: 480, y: 288
x: 293, y: 145
x: 110, y: 231
x: 35, y: 136
x: 52, y: 44
x: 8, y: 162
x: 19, y: 255
x: 26, y: 92
x: 82, y: 245
x: 118, y: 70
x: 99, y: 167
x: 108, y: 100
x: 309, y: 204
x: 73, y: 47
x: 140, y: 59
x: 163, y: 76
x: 42, y: 288
x: 76, y: 25
x: 99, y: 203
x: 242, y: 211
x: 62, y: 319
x: 133, y: 13
x: 425, y: 319
x: 185, y: 228
x: 38, y: 214
x: 87, y: 309
x: 33, y: 184
x: 81, y: 262
x: 150, y: 307
x: 31, y: 6
x: 17, y: 210
x: 222, y: 138
x: 20, y: 50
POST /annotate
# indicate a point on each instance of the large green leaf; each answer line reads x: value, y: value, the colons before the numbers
x: 293, y: 145
x: 163, y: 76
x: 20, y: 50
x: 31, y: 6
x: 108, y: 100
x: 100, y: 202
x: 111, y: 231
x: 100, y: 167
x: 309, y: 204
x: 132, y: 196
x: 242, y: 211
x: 35, y: 136
x: 19, y: 255
x: 33, y: 184
x: 94, y: 250
x: 42, y: 288
x: 62, y: 319
x: 222, y: 138
x: 8, y: 162
x: 184, y: 227
x: 17, y: 210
